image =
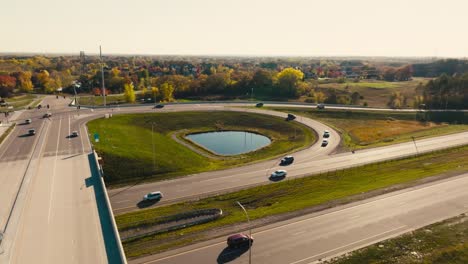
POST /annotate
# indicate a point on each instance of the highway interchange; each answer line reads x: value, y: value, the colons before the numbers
x: 57, y: 214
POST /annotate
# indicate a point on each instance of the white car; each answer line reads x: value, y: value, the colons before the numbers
x: 278, y: 174
x: 28, y: 121
x: 153, y: 196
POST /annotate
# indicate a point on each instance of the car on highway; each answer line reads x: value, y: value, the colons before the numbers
x: 259, y: 105
x: 320, y: 106
x: 159, y: 106
x: 239, y: 240
x: 287, y: 160
x: 46, y: 115
x: 324, y: 143
x: 74, y: 134
x: 326, y: 134
x: 28, y: 121
x: 290, y: 117
x: 278, y: 174
x: 153, y: 196
x: 32, y: 132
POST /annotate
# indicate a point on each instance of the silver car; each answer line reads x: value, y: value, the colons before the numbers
x: 278, y: 174
x: 153, y: 196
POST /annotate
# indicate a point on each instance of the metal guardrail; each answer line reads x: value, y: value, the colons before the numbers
x: 109, y: 208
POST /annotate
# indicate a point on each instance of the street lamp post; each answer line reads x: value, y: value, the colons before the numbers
x: 250, y: 232
x: 415, y: 146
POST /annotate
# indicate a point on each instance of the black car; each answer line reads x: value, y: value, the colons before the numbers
x: 159, y: 106
x: 239, y: 240
x: 320, y: 106
x: 290, y: 117
x: 259, y: 105
x: 287, y: 160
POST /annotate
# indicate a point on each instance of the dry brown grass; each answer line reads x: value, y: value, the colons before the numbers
x: 368, y: 131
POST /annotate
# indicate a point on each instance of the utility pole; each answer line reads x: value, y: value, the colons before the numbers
x: 415, y: 146
x: 102, y: 76
x: 250, y: 232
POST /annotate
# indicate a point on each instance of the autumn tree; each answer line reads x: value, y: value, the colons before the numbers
x: 129, y: 92
x: 396, y: 100
x: 288, y: 81
x: 7, y: 84
x: 23, y: 81
x: 166, y: 90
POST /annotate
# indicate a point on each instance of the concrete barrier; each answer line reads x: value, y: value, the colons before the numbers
x: 109, y: 207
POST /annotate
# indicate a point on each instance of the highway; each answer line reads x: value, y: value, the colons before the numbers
x: 315, y: 159
x: 57, y: 207
x: 52, y: 204
x: 333, y: 232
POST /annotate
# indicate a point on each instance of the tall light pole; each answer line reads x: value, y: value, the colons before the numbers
x: 250, y: 232
x: 415, y: 146
x: 102, y: 76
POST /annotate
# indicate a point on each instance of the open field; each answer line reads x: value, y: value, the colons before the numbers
x: 99, y: 100
x: 443, y: 242
x: 126, y: 143
x: 364, y: 129
x: 291, y: 195
x: 20, y: 101
x: 377, y: 93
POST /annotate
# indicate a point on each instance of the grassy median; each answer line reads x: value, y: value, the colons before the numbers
x: 126, y: 143
x: 291, y: 195
x: 443, y: 242
x: 364, y: 129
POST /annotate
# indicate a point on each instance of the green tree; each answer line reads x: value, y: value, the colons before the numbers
x: 288, y: 81
x: 129, y: 92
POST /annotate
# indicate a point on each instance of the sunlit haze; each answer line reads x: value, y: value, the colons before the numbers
x: 241, y: 27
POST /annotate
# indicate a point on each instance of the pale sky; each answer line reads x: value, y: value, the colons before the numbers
x: 237, y: 27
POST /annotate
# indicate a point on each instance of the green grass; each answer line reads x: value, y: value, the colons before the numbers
x: 126, y: 143
x: 291, y: 195
x: 19, y: 101
x: 7, y: 132
x: 98, y: 100
x: 364, y: 129
x: 443, y: 242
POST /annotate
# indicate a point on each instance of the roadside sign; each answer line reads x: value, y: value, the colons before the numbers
x: 96, y: 137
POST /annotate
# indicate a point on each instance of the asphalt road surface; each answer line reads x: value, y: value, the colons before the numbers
x: 334, y: 232
x: 315, y: 159
x: 52, y: 204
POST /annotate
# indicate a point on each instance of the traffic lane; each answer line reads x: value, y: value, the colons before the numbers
x: 336, y: 231
x: 11, y: 174
x: 19, y: 144
x: 128, y: 199
x: 61, y: 221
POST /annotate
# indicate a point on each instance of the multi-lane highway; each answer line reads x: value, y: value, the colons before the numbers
x: 53, y: 208
x: 312, y: 160
x: 310, y: 238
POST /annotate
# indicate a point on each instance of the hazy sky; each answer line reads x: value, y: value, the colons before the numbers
x: 237, y: 27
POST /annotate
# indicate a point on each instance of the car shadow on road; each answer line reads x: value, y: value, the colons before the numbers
x: 144, y: 204
x: 229, y: 254
x: 110, y: 241
x: 25, y: 135
x: 276, y: 179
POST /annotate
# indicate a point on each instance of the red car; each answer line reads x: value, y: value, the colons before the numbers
x: 239, y: 240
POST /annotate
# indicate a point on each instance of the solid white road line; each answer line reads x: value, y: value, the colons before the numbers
x: 54, y: 172
x: 350, y: 244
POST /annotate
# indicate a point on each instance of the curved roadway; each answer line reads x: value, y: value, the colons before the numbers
x: 310, y: 161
